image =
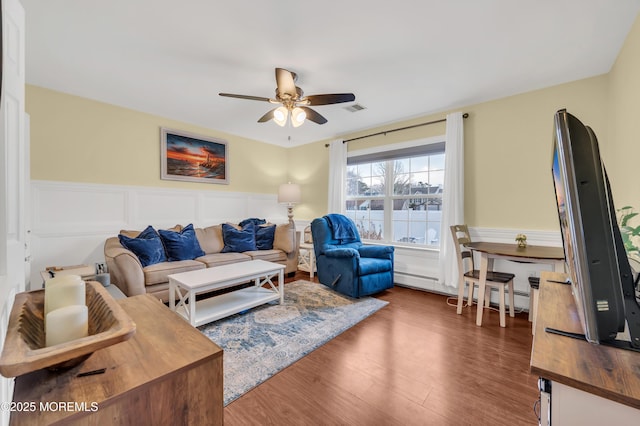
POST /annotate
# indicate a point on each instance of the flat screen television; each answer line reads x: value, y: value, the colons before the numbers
x: 596, y: 261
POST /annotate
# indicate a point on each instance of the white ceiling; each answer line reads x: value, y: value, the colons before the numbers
x: 402, y: 58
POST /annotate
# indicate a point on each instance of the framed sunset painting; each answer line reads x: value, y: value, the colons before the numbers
x: 193, y: 158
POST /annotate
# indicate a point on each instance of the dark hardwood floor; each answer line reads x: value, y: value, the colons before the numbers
x: 414, y: 362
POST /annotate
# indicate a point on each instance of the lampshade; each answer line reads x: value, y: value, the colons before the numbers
x: 289, y: 193
x: 280, y: 116
x: 298, y: 116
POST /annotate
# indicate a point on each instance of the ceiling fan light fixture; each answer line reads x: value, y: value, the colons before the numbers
x: 293, y: 101
x: 280, y: 116
x: 298, y: 116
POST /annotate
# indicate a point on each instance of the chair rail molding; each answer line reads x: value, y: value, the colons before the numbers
x: 505, y: 235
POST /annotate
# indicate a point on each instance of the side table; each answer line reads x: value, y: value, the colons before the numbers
x: 306, y: 258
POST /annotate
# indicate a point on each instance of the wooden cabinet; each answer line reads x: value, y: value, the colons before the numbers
x: 589, y: 384
x: 168, y: 373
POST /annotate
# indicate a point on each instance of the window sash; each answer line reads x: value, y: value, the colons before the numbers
x: 425, y: 220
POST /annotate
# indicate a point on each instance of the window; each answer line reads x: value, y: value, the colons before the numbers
x: 395, y: 196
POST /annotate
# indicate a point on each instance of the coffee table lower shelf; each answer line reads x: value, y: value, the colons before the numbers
x: 217, y: 307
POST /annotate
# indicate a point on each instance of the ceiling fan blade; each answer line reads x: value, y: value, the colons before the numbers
x: 335, y: 98
x: 313, y: 115
x: 268, y: 116
x: 286, y: 84
x: 251, y: 98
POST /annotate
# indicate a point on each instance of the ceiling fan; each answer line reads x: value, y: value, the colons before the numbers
x: 293, y: 102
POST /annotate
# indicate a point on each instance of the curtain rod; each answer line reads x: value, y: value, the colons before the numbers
x: 465, y: 115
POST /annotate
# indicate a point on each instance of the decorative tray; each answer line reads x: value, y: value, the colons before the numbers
x: 24, y: 347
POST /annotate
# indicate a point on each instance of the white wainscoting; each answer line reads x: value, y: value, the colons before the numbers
x: 418, y: 268
x: 71, y: 221
x: 406, y: 274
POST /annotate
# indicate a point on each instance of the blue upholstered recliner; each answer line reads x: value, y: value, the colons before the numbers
x: 344, y: 263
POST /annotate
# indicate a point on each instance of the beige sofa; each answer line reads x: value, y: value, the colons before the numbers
x: 133, y: 279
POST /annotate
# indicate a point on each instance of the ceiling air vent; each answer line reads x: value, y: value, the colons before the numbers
x: 354, y: 108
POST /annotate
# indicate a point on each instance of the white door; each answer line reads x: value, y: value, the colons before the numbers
x: 13, y: 178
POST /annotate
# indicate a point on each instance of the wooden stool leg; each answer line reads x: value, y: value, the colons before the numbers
x: 530, y: 304
x: 503, y: 319
x: 535, y: 310
x: 511, y: 300
x: 461, y: 286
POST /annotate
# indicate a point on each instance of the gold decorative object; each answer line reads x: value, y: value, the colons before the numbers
x: 521, y: 239
x: 24, y: 347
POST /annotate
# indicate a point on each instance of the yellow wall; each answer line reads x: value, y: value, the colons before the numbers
x: 79, y: 140
x: 624, y: 122
x: 507, y: 147
x: 507, y: 154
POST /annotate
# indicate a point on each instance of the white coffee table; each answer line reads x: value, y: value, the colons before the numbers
x: 188, y: 284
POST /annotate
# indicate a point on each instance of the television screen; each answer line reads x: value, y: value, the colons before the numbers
x: 596, y: 262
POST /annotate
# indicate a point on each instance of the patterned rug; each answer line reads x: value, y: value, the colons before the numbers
x: 266, y: 339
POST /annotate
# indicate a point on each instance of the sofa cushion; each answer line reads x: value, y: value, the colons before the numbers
x: 370, y: 265
x: 284, y: 238
x: 217, y: 259
x: 147, y: 246
x: 181, y: 245
x: 158, y: 273
x: 238, y: 240
x: 268, y: 255
x: 264, y: 236
x: 210, y: 239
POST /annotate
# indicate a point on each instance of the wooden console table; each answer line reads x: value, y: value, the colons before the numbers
x: 589, y: 384
x: 168, y: 373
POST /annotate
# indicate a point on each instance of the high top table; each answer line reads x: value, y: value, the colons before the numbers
x: 553, y: 256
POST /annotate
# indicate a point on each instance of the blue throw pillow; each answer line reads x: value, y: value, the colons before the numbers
x: 264, y: 237
x: 147, y: 246
x: 181, y: 245
x: 253, y: 220
x: 238, y: 240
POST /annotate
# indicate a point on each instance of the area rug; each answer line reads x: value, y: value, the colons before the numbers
x: 266, y: 339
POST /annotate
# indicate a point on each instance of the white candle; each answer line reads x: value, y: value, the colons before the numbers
x: 63, y: 291
x: 66, y: 324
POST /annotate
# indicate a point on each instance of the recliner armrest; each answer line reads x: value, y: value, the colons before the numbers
x: 342, y: 253
x: 381, y: 252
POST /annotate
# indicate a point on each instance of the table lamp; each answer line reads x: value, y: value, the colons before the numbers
x: 289, y: 194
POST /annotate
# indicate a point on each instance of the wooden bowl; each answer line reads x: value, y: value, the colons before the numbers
x: 24, y: 347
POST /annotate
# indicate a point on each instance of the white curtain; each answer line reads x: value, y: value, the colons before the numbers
x: 452, y: 197
x: 337, y: 171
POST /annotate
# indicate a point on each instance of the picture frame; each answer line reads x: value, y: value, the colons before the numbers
x: 188, y: 157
